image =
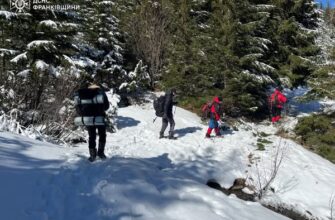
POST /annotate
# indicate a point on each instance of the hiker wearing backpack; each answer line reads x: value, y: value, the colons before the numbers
x: 277, y: 101
x: 214, y: 111
x: 167, y: 115
x: 91, y: 103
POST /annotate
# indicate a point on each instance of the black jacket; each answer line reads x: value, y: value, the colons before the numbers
x: 169, y: 102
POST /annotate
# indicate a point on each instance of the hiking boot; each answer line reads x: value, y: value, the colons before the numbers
x: 102, y: 155
x: 207, y: 135
x: 161, y: 135
x: 101, y: 150
x: 171, y: 135
x: 93, y: 154
x: 218, y: 134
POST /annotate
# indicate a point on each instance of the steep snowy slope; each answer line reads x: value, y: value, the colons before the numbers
x: 150, y: 178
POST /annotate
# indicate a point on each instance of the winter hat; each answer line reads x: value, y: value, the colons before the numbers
x: 93, y: 86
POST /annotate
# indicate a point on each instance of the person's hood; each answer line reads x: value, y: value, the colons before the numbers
x: 216, y: 99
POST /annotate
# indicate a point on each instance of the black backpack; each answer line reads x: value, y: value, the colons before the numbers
x: 159, y: 106
x: 89, y: 103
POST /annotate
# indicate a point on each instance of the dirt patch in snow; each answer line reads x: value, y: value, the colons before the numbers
x: 238, y: 189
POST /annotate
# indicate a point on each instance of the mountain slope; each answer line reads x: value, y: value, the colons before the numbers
x: 150, y: 178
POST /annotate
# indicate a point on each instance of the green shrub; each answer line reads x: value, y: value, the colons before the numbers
x: 317, y: 132
x: 329, y: 138
x: 260, y: 146
x: 263, y: 134
x: 327, y: 152
x: 264, y: 141
x: 312, y: 125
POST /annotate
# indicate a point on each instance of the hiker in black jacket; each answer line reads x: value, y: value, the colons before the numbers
x: 91, y: 104
x: 168, y: 115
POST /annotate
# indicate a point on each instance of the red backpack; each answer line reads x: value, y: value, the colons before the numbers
x: 206, y: 110
x: 273, y: 101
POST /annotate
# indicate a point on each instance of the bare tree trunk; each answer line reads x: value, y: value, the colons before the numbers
x: 148, y: 30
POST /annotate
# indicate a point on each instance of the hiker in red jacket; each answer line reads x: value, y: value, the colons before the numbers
x: 215, y: 110
x: 277, y: 100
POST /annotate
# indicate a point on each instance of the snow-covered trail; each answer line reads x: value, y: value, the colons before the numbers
x: 202, y: 159
x: 150, y: 178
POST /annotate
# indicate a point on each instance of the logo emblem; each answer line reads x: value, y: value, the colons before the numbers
x: 20, y: 5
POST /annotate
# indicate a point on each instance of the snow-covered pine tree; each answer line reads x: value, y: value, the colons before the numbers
x: 44, y: 71
x: 101, y: 43
x: 322, y: 81
x: 13, y: 33
x: 189, y: 65
x: 296, y: 39
x: 7, y: 51
x: 240, y: 30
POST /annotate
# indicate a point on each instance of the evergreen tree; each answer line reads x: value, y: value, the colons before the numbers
x: 7, y: 50
x: 241, y: 32
x: 47, y: 54
x: 204, y: 48
x: 13, y: 32
x: 296, y: 39
x: 101, y: 40
x: 102, y: 43
x: 189, y: 68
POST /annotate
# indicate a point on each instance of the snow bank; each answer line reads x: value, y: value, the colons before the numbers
x: 20, y: 57
x: 7, y: 52
x: 48, y: 23
x: 7, y: 15
x: 24, y: 73
x: 84, y: 62
x: 107, y: 3
x: 41, y: 65
x: 39, y: 43
x: 150, y: 178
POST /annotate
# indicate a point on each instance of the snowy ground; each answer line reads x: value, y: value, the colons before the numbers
x: 149, y: 178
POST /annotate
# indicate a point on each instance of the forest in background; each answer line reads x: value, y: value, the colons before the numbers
x: 236, y: 49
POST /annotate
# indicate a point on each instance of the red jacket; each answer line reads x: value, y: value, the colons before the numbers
x: 281, y: 98
x: 215, y: 108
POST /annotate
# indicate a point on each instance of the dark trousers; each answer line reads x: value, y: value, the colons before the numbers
x: 165, y: 122
x: 93, y: 135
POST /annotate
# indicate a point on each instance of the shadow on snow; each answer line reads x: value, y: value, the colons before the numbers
x: 184, y: 131
x: 111, y: 189
x: 124, y: 122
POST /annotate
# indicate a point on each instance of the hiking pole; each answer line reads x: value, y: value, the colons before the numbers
x: 154, y: 119
x: 287, y: 109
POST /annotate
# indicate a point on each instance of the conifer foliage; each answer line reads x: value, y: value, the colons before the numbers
x: 237, y: 49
